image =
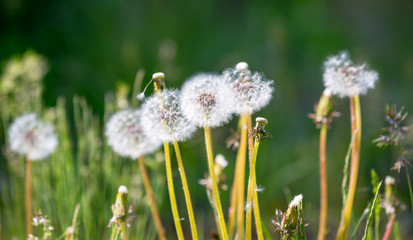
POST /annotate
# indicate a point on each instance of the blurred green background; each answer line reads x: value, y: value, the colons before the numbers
x: 92, y: 45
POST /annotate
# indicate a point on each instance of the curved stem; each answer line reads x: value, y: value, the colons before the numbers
x: 28, y: 189
x: 151, y: 199
x: 256, y: 206
x: 217, y: 200
x: 171, y: 191
x: 186, y: 191
x: 355, y: 112
x: 323, y: 183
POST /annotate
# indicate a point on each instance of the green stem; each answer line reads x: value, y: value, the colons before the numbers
x: 28, y: 189
x: 323, y: 183
x: 186, y: 192
x: 410, y: 186
x: 211, y: 168
x: 122, y: 229
x: 252, y: 198
x: 355, y: 112
x: 171, y: 191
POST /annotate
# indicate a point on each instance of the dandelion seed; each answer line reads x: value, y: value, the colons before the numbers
x: 251, y: 89
x: 182, y: 219
x: 248, y: 206
x: 141, y: 96
x: 126, y: 136
x: 260, y: 189
x: 162, y: 116
x: 343, y: 78
x: 30, y: 136
x: 207, y: 101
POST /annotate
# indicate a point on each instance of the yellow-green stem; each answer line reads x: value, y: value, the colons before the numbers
x: 241, y: 178
x: 355, y: 113
x: 122, y: 229
x: 29, y: 228
x: 211, y: 168
x: 410, y: 186
x: 252, y: 197
x: 171, y: 191
x: 323, y: 183
x: 151, y: 199
x: 238, y: 186
x: 186, y: 192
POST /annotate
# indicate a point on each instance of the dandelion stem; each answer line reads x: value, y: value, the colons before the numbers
x: 389, y: 227
x: 122, y: 229
x: 323, y: 183
x: 238, y: 186
x: 29, y: 228
x: 186, y: 191
x: 241, y: 178
x: 409, y: 183
x: 171, y: 191
x: 355, y: 112
x: 252, y: 198
x: 211, y: 168
x: 151, y: 199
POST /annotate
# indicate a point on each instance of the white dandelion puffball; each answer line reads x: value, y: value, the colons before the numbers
x: 251, y: 89
x: 162, y: 116
x: 345, y: 79
x: 207, y: 100
x: 126, y: 136
x: 30, y: 136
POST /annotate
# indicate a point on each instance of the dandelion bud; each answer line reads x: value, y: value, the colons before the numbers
x: 220, y: 164
x: 242, y: 66
x: 158, y: 81
x: 260, y: 123
x: 121, y: 201
x: 291, y: 217
x: 122, y: 189
x: 343, y: 78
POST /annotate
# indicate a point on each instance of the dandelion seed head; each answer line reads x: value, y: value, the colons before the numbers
x: 30, y: 136
x: 162, y: 116
x: 251, y: 89
x: 207, y: 100
x: 126, y: 136
x: 345, y: 79
x: 296, y: 202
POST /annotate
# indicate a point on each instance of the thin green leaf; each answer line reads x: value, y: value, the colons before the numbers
x: 371, y: 212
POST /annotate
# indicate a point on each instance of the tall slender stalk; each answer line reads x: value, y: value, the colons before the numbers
x: 186, y: 191
x: 171, y: 191
x: 151, y: 199
x: 355, y: 112
x: 29, y: 228
x: 238, y: 187
x: 252, y: 198
x: 215, y: 191
x: 323, y: 183
x: 389, y: 227
x: 410, y: 186
x: 122, y: 229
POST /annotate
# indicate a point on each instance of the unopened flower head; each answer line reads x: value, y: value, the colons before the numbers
x: 345, y: 79
x: 296, y: 202
x: 126, y: 136
x: 30, y: 136
x: 123, y: 189
x: 162, y: 116
x: 207, y: 101
x: 251, y: 89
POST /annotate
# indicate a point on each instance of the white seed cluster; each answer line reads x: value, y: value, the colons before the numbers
x: 30, y: 136
x: 207, y: 101
x: 162, y: 116
x: 251, y: 89
x: 345, y: 79
x: 126, y: 136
